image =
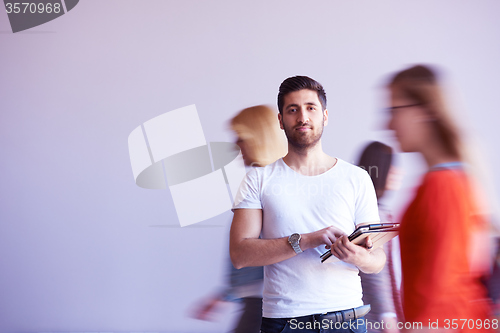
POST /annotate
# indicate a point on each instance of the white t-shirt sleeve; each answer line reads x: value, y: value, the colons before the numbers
x: 248, y: 195
x: 366, y: 201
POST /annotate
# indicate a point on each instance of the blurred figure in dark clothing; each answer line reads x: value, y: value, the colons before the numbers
x: 381, y: 290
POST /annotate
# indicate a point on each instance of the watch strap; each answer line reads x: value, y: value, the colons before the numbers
x: 296, y: 248
x: 294, y: 240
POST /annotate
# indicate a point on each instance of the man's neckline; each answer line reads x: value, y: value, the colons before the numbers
x: 314, y: 175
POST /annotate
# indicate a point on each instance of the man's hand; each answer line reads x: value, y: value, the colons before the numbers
x: 367, y: 260
x: 349, y: 252
x: 326, y: 236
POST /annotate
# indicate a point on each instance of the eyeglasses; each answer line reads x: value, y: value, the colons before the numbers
x: 395, y: 108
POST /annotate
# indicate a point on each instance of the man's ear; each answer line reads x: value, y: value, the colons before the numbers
x: 325, y: 117
x: 280, y: 120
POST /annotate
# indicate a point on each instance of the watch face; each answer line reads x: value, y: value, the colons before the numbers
x: 294, y: 238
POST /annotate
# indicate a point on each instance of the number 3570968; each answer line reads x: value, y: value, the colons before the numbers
x: 471, y: 324
x: 32, y: 8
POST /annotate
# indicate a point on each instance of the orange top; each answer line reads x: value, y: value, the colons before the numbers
x: 436, y: 235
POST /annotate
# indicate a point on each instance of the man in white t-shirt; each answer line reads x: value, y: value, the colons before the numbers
x: 287, y: 213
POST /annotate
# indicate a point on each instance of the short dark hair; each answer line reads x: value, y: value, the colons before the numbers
x: 296, y: 83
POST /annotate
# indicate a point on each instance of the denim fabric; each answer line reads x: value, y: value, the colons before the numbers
x: 311, y: 324
x: 240, y: 277
x: 245, y: 275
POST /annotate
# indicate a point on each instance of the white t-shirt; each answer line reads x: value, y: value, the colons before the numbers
x: 291, y: 203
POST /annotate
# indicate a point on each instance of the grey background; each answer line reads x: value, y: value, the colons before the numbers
x: 82, y: 248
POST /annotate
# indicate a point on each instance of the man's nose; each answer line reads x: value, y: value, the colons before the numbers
x: 303, y: 117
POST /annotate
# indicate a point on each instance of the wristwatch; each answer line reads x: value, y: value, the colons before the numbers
x: 294, y: 240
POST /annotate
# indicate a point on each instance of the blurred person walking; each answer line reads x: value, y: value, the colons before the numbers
x: 381, y: 290
x: 443, y: 256
x: 261, y: 142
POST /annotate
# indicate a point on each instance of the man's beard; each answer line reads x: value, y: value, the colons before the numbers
x: 303, y: 141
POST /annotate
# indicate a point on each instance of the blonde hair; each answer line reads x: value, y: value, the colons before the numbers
x: 420, y: 84
x: 259, y: 127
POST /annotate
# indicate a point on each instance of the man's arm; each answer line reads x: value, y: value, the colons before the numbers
x: 247, y: 249
x: 367, y: 261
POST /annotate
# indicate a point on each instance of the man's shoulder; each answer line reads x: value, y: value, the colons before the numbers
x: 350, y: 168
x: 270, y: 168
x: 259, y: 172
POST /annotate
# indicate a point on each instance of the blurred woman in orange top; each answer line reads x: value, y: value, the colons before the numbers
x: 442, y: 257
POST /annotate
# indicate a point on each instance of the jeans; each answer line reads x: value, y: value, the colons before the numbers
x: 311, y: 324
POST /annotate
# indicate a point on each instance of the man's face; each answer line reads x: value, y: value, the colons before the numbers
x: 303, y: 118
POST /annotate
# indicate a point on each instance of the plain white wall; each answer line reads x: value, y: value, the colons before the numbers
x: 82, y: 248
